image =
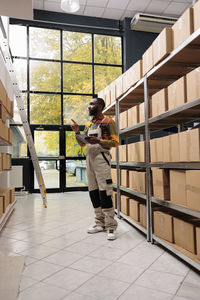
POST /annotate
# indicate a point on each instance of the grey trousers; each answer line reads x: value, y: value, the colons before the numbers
x: 100, y: 187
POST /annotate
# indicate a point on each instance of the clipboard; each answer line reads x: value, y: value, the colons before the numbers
x: 82, y: 138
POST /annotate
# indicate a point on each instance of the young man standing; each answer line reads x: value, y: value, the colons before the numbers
x: 101, y: 132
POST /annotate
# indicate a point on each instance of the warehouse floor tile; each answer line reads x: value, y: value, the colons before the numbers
x: 64, y: 262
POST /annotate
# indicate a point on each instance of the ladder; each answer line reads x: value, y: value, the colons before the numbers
x: 9, y: 65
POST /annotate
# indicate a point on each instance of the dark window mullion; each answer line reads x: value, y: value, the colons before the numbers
x: 61, y: 70
x: 93, y: 74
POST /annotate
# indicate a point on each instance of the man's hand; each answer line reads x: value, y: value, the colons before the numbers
x: 93, y: 140
x: 75, y: 126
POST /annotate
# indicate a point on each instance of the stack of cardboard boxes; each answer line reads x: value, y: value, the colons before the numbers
x: 181, y: 232
x: 5, y: 162
x: 6, y: 197
x: 6, y: 107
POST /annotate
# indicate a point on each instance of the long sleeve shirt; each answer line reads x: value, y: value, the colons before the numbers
x: 109, y: 137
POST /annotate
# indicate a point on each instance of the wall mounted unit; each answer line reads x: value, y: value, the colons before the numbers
x: 151, y: 23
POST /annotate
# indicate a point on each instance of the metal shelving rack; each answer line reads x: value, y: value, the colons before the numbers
x: 180, y: 62
x: 3, y: 142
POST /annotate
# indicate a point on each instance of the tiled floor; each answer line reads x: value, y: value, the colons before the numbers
x: 64, y: 262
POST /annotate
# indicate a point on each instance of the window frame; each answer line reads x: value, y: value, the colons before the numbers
x: 61, y: 29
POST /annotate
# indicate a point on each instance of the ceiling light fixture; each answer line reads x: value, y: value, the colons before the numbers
x: 70, y: 5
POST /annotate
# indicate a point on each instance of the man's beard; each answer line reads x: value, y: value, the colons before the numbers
x: 93, y: 112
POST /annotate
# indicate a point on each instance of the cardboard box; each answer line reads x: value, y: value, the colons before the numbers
x: 174, y: 147
x: 198, y: 241
x: 159, y: 103
x: 12, y: 195
x: 4, y: 156
x: 125, y: 205
x: 139, y: 154
x: 133, y: 180
x: 143, y: 215
x: 193, y: 85
x: 114, y: 199
x: 123, y: 153
x: 184, y: 234
x: 1, y: 162
x: 177, y: 93
x: 194, y: 144
x: 12, y: 109
x: 147, y: 60
x: 137, y: 181
x: 132, y: 76
x: 167, y: 155
x: 113, y: 152
x: 163, y: 226
x: 101, y: 94
x: 141, y: 182
x: 161, y: 188
x: 136, y: 152
x: 124, y: 180
x: 162, y: 45
x: 112, y: 92
x: 107, y: 95
x: 178, y: 187
x: 10, y: 135
x: 123, y: 120
x: 159, y: 149
x: 5, y: 193
x: 184, y: 146
x: 131, y: 152
x: 193, y: 189
x: 8, y: 161
x: 183, y: 28
x: 1, y: 206
x: 119, y: 86
x: 133, y: 116
x: 135, y: 73
x: 2, y: 113
x: 134, y: 211
x: 114, y: 175
x: 3, y: 96
x: 141, y: 112
x: 153, y: 153
x: 4, y: 131
x: 196, y: 11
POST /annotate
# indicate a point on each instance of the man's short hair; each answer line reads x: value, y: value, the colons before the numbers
x: 101, y: 102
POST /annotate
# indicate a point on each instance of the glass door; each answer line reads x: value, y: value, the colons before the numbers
x: 62, y: 160
x: 47, y: 145
x: 75, y: 163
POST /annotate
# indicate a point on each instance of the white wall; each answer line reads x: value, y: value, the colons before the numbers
x: 22, y: 9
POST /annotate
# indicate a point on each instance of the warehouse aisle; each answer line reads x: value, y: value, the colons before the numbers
x: 64, y: 262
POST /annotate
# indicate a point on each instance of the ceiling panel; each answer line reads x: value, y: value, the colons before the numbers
x: 175, y: 8
x: 157, y: 6
x: 52, y: 6
x: 140, y: 5
x: 99, y: 3
x: 119, y: 9
x: 93, y: 11
x: 113, y: 13
x: 38, y: 4
x: 118, y: 4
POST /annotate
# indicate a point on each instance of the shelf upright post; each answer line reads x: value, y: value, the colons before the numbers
x: 147, y: 156
x: 117, y: 159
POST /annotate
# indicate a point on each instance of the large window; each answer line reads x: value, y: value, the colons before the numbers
x: 59, y: 71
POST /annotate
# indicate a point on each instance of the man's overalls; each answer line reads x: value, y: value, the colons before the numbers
x: 98, y: 160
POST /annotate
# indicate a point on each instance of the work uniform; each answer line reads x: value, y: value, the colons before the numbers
x: 98, y: 160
